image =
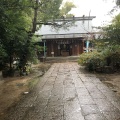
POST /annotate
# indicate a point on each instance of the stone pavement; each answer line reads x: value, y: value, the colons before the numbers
x: 66, y: 93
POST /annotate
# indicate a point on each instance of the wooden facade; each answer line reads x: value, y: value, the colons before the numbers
x: 64, y: 47
x: 67, y: 42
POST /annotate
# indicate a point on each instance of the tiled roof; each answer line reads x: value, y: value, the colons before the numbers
x: 81, y: 26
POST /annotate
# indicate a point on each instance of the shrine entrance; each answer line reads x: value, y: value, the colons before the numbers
x: 64, y: 47
x: 66, y: 42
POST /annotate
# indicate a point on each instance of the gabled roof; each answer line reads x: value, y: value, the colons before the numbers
x: 81, y: 26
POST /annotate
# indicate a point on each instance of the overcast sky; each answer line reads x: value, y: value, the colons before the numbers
x: 98, y: 8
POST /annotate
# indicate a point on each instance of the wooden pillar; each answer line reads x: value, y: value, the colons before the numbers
x: 52, y: 49
x: 44, y: 48
x: 58, y: 47
x: 51, y: 46
x: 82, y: 46
x: 71, y: 49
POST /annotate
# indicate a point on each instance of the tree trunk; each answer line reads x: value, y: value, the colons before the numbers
x: 35, y: 16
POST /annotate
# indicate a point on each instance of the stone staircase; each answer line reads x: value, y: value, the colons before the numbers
x: 62, y: 59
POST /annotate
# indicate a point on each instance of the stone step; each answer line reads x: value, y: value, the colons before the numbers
x: 62, y: 59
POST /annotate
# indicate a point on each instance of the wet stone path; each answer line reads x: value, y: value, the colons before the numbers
x: 66, y: 93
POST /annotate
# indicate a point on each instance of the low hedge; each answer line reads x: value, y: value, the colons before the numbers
x: 99, y: 61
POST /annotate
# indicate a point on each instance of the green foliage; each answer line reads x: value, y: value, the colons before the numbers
x: 107, y: 54
x: 49, y: 10
x: 108, y: 57
x: 53, y: 10
x: 33, y: 82
x: 91, y: 60
x: 16, y: 25
x: 2, y: 52
x: 39, y: 48
x: 66, y: 8
x: 112, y: 31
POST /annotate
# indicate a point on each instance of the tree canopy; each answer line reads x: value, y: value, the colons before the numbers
x: 18, y: 24
x: 66, y: 8
x: 113, y: 31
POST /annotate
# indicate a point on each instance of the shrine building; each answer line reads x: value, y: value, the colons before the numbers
x: 72, y: 39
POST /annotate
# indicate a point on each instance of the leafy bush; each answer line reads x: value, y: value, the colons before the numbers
x: 91, y: 60
x: 94, y: 60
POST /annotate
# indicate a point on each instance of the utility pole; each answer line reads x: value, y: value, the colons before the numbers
x: 88, y: 20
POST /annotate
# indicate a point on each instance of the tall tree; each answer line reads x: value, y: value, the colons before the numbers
x: 45, y: 10
x: 18, y: 23
x: 66, y: 8
x: 113, y: 31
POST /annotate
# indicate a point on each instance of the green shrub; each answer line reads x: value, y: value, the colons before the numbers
x: 108, y: 57
x: 91, y: 60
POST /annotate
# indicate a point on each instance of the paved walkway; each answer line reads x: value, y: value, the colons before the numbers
x: 66, y: 93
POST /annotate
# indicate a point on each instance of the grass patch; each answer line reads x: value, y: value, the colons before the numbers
x: 33, y: 82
